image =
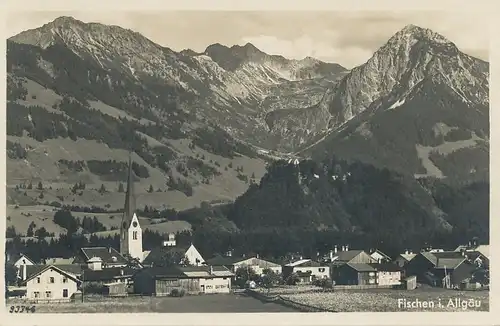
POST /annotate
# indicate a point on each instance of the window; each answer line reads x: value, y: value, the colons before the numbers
x: 37, y: 294
x: 134, y: 224
x: 38, y: 280
x: 321, y: 270
x: 65, y: 293
x: 65, y: 280
x: 134, y: 235
x: 51, y: 280
x: 48, y: 294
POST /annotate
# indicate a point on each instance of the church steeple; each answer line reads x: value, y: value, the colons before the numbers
x: 130, y: 230
x: 129, y: 208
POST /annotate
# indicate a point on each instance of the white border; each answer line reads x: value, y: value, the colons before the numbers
x: 391, y: 318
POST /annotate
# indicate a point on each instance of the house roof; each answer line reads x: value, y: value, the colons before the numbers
x: 448, y: 254
x: 407, y: 257
x: 347, y: 255
x: 158, y: 255
x: 430, y: 257
x: 381, y: 254
x: 59, y: 261
x: 72, y: 269
x: 476, y: 254
x: 449, y: 263
x: 298, y: 262
x: 35, y: 270
x: 224, y: 260
x: 386, y: 267
x: 187, y: 271
x: 16, y: 257
x: 361, y: 267
x: 106, y: 254
x: 106, y: 274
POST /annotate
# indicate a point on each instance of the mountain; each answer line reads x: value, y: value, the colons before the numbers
x: 418, y: 105
x: 80, y: 95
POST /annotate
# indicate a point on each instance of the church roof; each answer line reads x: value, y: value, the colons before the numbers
x: 107, y: 255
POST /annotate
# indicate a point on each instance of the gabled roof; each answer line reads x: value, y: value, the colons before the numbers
x: 408, y: 257
x: 106, y: 254
x: 381, y: 254
x: 224, y: 260
x: 448, y: 254
x: 347, y: 255
x: 187, y: 272
x: 449, y: 263
x: 39, y: 269
x: 16, y: 257
x: 298, y: 262
x: 107, y: 274
x: 158, y: 255
x: 361, y: 267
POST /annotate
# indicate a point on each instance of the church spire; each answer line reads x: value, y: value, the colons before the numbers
x: 129, y: 208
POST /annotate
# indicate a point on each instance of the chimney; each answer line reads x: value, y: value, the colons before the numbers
x: 346, y: 247
x: 406, y: 252
x: 24, y: 272
x: 343, y: 248
x: 211, y: 270
x: 109, y: 249
x: 122, y: 272
x: 335, y: 249
x: 331, y: 253
x: 257, y: 256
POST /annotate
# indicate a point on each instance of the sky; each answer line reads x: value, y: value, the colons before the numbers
x: 347, y: 38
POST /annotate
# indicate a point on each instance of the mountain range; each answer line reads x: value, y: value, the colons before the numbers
x: 204, y: 126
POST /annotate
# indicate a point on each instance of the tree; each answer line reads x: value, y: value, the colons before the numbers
x: 150, y: 190
x: 325, y: 283
x: 41, y: 233
x: 102, y: 190
x: 30, y: 186
x: 31, y: 227
x: 120, y: 187
x: 10, y: 232
x: 292, y: 279
x: 10, y: 274
x: 244, y: 274
x: 269, y: 279
x: 40, y: 185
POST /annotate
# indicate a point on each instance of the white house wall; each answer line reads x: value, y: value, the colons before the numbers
x: 55, y: 288
x: 316, y: 271
x: 388, y: 278
x: 216, y: 285
x: 192, y: 254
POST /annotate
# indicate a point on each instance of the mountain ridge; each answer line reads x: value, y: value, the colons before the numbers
x: 385, y: 112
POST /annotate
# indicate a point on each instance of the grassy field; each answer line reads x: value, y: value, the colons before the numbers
x: 217, y: 303
x: 42, y: 215
x: 384, y: 300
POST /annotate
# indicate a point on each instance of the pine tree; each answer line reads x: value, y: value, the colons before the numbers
x: 40, y: 185
x: 150, y: 190
x: 102, y: 189
x: 30, y: 185
x: 120, y: 187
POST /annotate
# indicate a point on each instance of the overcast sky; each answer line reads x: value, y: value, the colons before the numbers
x: 347, y: 38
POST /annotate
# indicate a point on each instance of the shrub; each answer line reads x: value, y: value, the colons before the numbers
x: 177, y: 293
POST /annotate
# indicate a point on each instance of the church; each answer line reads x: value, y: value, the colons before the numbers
x: 131, y: 245
x: 130, y: 228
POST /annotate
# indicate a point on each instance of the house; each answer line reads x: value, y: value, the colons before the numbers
x: 49, y: 283
x: 474, y: 245
x: 355, y: 274
x: 379, y: 256
x: 162, y: 256
x: 477, y: 258
x: 388, y: 274
x: 447, y: 268
x: 403, y: 259
x: 307, y: 270
x: 353, y: 256
x: 161, y: 281
x: 258, y: 265
x: 110, y: 257
x: 22, y: 259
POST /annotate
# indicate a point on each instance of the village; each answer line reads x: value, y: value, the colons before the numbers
x: 170, y: 270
